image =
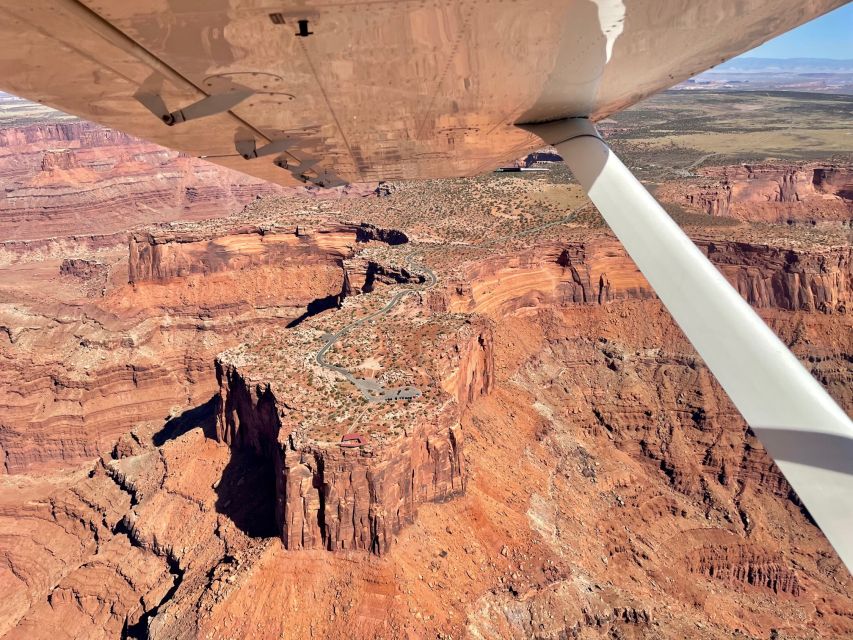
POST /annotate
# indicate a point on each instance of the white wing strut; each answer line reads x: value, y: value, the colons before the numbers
x: 807, y: 434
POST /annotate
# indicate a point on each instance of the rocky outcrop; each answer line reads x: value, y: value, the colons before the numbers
x: 17, y: 251
x: 770, y: 193
x: 98, y: 553
x: 474, y: 375
x: 363, y: 275
x: 336, y: 498
x: 92, y: 275
x: 834, y: 180
x: 687, y: 494
x: 63, y: 160
x: 72, y: 381
x: 329, y: 497
x: 367, y: 232
x: 744, y: 565
x: 161, y: 255
x: 77, y: 177
x: 599, y: 272
x: 775, y: 278
x: 93, y: 372
x: 339, y: 499
x: 86, y: 135
x: 82, y: 268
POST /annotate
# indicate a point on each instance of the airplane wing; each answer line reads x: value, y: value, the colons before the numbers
x: 356, y: 91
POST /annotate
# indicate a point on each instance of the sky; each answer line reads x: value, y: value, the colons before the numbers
x: 830, y: 36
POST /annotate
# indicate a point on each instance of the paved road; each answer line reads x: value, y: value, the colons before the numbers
x: 371, y: 390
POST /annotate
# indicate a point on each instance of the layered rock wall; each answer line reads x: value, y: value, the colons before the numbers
x: 158, y: 258
x: 18, y: 251
x: 363, y: 275
x: 77, y: 177
x: 51, y: 415
x: 776, y: 278
x: 162, y: 255
x: 78, y: 133
x: 342, y: 499
x: 746, y: 565
x: 334, y: 498
x: 770, y: 193
x: 93, y: 372
x: 599, y: 272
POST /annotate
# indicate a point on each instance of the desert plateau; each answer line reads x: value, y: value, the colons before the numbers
x: 436, y: 409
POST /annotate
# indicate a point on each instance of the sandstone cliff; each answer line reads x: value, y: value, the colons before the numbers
x: 770, y: 193
x: 77, y: 177
x: 330, y: 497
x: 609, y: 488
x: 599, y: 271
x: 772, y: 277
x: 139, y: 351
x: 604, y: 485
x: 162, y: 255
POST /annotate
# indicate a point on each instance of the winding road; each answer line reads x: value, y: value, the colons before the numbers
x: 371, y: 390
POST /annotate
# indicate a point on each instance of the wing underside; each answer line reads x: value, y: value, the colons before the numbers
x: 342, y: 90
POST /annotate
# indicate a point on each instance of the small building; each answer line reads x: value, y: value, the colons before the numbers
x: 353, y: 440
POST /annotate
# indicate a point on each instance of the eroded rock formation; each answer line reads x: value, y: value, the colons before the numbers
x: 599, y: 271
x: 57, y: 174
x: 771, y: 277
x: 790, y: 194
x: 639, y: 503
x: 604, y: 486
x: 337, y: 498
x: 143, y: 349
x: 77, y: 177
x: 742, y: 564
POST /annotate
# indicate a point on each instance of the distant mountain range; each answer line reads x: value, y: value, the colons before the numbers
x: 786, y: 65
x: 814, y: 75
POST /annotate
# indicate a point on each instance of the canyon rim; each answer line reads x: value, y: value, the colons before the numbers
x: 184, y: 348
